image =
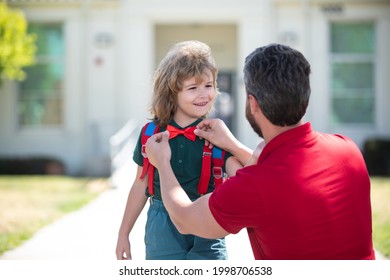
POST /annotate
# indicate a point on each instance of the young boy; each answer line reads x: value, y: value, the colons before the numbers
x: 184, y: 89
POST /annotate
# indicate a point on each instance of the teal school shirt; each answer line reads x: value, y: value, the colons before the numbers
x: 186, y: 162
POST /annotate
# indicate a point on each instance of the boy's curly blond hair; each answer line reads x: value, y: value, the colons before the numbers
x: 184, y: 60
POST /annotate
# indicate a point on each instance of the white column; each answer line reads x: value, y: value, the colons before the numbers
x: 253, y: 32
x: 136, y: 64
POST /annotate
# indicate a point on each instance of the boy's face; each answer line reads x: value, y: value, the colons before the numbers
x: 195, y: 99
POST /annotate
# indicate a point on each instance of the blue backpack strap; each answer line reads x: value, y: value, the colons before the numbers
x: 150, y: 129
x: 218, y: 163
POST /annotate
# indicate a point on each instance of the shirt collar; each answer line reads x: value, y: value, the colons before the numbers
x: 195, y: 123
x: 302, y: 131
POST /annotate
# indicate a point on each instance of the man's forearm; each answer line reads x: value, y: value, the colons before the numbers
x: 241, y: 152
x: 188, y: 217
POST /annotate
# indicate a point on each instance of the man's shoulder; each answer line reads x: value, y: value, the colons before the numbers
x: 337, y: 139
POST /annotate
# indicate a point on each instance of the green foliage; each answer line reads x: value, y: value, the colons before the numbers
x: 17, y: 47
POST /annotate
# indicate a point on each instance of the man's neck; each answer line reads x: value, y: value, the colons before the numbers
x: 270, y: 131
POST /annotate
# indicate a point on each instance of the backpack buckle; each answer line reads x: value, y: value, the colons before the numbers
x: 217, y: 172
x: 207, y: 154
x: 143, y: 151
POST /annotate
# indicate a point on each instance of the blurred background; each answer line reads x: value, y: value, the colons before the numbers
x: 75, y: 89
x: 88, y: 91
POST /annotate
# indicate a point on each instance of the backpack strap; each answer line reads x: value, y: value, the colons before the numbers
x: 206, y: 170
x: 148, y: 130
x: 218, y: 162
x: 217, y: 155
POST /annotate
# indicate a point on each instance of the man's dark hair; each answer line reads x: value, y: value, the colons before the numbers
x: 278, y: 77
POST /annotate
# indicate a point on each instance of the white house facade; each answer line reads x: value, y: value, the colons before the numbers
x: 96, y: 59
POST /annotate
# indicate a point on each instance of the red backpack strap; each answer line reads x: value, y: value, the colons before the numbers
x: 148, y: 130
x: 206, y: 170
x: 218, y: 159
x: 218, y: 162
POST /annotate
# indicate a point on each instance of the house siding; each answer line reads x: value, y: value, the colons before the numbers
x: 113, y: 47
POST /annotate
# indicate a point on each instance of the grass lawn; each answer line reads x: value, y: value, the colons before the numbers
x: 380, y: 201
x: 27, y: 203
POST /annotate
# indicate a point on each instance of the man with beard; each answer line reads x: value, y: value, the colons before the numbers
x: 302, y: 194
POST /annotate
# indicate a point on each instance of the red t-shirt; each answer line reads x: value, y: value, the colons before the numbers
x: 308, y: 197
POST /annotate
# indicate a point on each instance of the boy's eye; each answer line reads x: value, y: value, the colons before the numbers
x: 192, y: 88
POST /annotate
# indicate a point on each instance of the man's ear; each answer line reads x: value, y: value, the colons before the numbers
x: 254, y: 106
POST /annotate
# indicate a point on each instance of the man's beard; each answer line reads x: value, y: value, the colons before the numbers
x: 252, y: 121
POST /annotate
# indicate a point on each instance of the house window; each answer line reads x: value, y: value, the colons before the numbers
x: 40, y: 102
x: 353, y: 73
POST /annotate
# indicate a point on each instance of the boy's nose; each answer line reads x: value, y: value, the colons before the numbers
x: 203, y: 91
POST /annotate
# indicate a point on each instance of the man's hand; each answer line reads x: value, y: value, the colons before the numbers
x: 158, y: 149
x: 216, y: 132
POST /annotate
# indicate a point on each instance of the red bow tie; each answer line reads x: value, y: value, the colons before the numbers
x: 187, y: 132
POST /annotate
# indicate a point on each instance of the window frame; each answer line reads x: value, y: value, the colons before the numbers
x: 352, y: 57
x: 45, y: 59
